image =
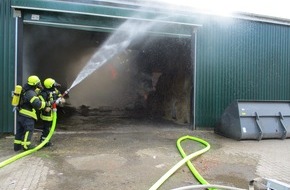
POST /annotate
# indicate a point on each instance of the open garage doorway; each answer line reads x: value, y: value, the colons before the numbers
x: 150, y: 80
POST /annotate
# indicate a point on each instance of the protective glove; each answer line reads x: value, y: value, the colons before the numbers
x: 62, y: 100
x: 47, y: 109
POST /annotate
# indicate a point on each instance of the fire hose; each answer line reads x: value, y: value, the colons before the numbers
x: 54, y: 118
x: 185, y: 159
x: 20, y: 155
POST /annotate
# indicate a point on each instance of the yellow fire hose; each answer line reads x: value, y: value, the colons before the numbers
x: 189, y: 164
x: 186, y: 159
x: 18, y: 156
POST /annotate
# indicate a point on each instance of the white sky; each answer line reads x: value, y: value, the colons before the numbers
x: 276, y: 8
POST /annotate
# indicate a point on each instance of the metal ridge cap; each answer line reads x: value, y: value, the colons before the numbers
x: 157, y: 10
x: 106, y: 15
x: 262, y: 18
x: 97, y: 27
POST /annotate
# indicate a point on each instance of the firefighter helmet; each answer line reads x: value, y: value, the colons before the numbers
x: 49, y: 83
x: 33, y: 80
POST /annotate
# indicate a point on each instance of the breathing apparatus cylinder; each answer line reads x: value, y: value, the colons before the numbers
x: 16, y: 95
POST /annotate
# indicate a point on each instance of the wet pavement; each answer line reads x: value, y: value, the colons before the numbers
x: 134, y: 155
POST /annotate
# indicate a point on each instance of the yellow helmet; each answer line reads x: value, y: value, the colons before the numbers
x: 49, y: 83
x: 33, y: 80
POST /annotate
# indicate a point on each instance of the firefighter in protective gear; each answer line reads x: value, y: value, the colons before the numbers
x: 27, y: 113
x: 50, y: 93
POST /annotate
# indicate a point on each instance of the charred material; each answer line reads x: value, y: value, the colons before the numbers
x: 152, y: 78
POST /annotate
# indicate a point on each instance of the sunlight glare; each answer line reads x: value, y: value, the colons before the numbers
x: 277, y: 8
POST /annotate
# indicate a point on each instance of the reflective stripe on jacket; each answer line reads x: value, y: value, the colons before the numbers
x: 46, y: 117
x: 28, y: 113
x: 48, y: 95
x: 31, y: 102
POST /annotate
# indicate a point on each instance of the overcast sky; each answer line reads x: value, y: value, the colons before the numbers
x: 276, y: 8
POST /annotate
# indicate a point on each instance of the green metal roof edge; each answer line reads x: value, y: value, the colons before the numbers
x: 105, y: 11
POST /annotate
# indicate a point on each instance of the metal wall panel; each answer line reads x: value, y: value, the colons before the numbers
x: 6, y: 65
x: 239, y: 59
x: 236, y: 59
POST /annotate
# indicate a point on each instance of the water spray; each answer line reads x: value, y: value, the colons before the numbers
x: 114, y: 45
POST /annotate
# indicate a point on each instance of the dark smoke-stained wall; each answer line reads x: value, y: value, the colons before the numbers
x: 153, y: 75
x: 172, y: 95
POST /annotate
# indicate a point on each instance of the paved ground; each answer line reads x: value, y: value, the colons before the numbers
x: 133, y: 156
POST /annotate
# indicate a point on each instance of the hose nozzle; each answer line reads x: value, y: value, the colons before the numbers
x: 65, y: 93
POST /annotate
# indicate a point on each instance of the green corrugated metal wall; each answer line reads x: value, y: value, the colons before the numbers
x: 6, y: 65
x: 236, y: 59
x: 239, y: 59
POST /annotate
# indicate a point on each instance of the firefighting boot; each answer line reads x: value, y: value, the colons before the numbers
x: 17, y: 147
x: 29, y: 147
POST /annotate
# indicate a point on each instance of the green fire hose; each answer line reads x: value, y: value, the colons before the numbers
x: 186, y: 159
x: 18, y: 156
x: 189, y: 164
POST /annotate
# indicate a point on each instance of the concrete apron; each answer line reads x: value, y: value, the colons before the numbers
x: 131, y: 157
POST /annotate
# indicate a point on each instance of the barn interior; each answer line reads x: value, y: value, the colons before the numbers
x: 152, y: 79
